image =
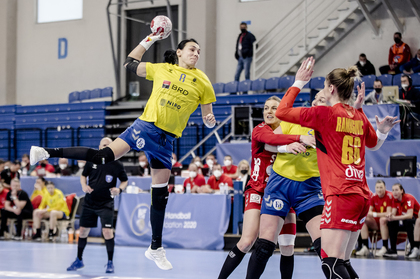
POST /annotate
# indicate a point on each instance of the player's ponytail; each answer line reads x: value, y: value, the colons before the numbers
x: 170, y: 57
x: 343, y: 80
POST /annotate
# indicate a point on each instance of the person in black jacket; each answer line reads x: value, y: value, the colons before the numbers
x: 364, y: 66
x: 410, y: 94
x: 244, y: 51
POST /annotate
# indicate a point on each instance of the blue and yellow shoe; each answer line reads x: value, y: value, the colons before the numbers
x: 109, y: 267
x: 77, y: 264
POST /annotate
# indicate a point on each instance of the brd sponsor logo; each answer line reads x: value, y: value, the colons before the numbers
x: 179, y: 89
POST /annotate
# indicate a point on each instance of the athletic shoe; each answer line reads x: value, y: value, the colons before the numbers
x: 414, y: 253
x: 37, y: 154
x: 51, y: 235
x: 17, y: 237
x: 364, y: 251
x: 36, y: 237
x: 109, y: 267
x: 381, y: 251
x: 391, y: 254
x: 159, y: 257
x: 77, y: 264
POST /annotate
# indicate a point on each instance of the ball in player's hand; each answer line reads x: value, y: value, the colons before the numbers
x: 161, y: 25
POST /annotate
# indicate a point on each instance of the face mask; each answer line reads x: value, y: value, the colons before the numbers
x: 244, y: 171
x: 243, y: 30
x: 397, y: 40
x: 43, y: 165
x: 62, y: 166
x: 142, y: 164
x: 24, y: 164
x: 217, y: 173
x: 418, y: 58
x: 173, y: 162
x: 362, y: 63
x: 404, y: 86
x: 210, y: 162
x: 378, y: 90
x: 193, y: 174
x: 81, y: 165
x: 197, y: 163
x: 228, y: 163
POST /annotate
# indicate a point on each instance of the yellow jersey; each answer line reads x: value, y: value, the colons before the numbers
x: 176, y: 94
x: 298, y: 167
x: 55, y: 202
x: 41, y: 193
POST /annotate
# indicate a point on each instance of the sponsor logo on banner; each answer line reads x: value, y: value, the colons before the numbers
x: 108, y: 178
x: 139, y: 220
x: 354, y: 174
x: 255, y: 198
x: 140, y: 143
x: 166, y: 84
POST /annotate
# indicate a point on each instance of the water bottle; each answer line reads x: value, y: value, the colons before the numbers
x: 370, y: 172
x: 188, y: 188
x: 64, y: 237
x: 146, y: 172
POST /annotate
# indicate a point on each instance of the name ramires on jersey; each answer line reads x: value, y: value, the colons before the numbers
x: 351, y: 126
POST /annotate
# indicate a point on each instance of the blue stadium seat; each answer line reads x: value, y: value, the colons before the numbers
x: 106, y: 92
x: 258, y: 84
x: 397, y: 80
x: 286, y: 81
x: 386, y: 80
x: 416, y: 79
x: 272, y: 83
x: 95, y: 93
x: 84, y: 95
x: 218, y: 87
x: 244, y: 86
x: 231, y: 87
x: 74, y: 96
x: 62, y: 107
x: 8, y: 108
x: 369, y: 80
x: 317, y: 83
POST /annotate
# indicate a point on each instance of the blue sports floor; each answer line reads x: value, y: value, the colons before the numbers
x: 50, y: 260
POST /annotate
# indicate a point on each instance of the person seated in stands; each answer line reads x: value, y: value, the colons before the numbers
x: 26, y: 167
x: 210, y: 162
x: 365, y: 67
x: 40, y: 191
x: 196, y: 181
x: 375, y: 97
x: 415, y: 252
x: 44, y: 169
x: 399, y: 54
x: 243, y: 172
x: 413, y: 66
x: 175, y: 163
x: 3, y: 195
x: 380, y: 207
x: 80, y: 166
x: 17, y: 206
x: 219, y: 179
x: 197, y: 161
x: 410, y: 94
x: 53, y: 206
x: 10, y: 173
x: 63, y: 168
x: 144, y: 167
x: 229, y: 168
x: 405, y: 210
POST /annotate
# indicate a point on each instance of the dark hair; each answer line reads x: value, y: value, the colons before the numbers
x: 378, y: 80
x: 398, y: 33
x: 243, y: 23
x: 170, y: 55
x: 25, y: 156
x: 343, y: 80
x: 362, y: 55
x: 410, y: 81
x: 42, y: 179
x: 401, y: 187
x: 380, y: 181
x: 182, y: 44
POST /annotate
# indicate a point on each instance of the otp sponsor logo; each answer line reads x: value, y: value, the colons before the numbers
x: 354, y: 174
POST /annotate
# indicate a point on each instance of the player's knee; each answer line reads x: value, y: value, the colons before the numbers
x: 264, y: 250
x: 317, y: 246
x: 287, y: 250
x: 334, y: 268
x: 160, y: 198
x: 108, y: 233
x: 245, y: 243
x: 102, y: 156
x: 383, y: 221
x: 83, y: 232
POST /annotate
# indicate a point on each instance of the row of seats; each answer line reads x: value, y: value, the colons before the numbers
x: 77, y: 96
x: 316, y: 83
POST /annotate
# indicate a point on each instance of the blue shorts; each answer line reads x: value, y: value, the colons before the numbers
x: 153, y: 141
x: 282, y: 193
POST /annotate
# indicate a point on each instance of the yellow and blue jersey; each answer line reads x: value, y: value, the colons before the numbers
x: 55, y: 202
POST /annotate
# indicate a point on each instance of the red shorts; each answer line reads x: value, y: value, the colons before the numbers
x: 253, y: 200
x: 344, y: 212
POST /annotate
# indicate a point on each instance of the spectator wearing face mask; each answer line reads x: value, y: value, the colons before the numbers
x: 197, y: 161
x: 12, y: 172
x: 44, y: 169
x: 80, y: 166
x: 364, y: 66
x: 243, y: 172
x: 229, y: 168
x: 63, y: 168
x: 375, y: 97
x: 26, y: 167
x: 210, y: 162
x: 399, y: 54
x: 144, y: 168
x: 410, y: 94
x: 196, y: 181
x: 413, y: 66
x: 175, y: 163
x: 219, y: 179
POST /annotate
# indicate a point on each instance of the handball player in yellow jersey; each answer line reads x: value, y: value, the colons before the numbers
x: 178, y: 88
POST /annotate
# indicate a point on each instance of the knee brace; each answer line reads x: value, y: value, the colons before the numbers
x: 334, y: 268
x: 350, y: 270
x: 317, y: 246
x: 264, y: 250
x: 159, y: 198
x: 102, y: 156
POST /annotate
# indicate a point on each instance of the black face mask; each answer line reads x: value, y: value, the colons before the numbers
x: 244, y: 171
x: 397, y: 40
x: 378, y: 90
x: 43, y: 165
x: 243, y: 30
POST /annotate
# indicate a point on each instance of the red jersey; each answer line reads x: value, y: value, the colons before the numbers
x: 345, y: 132
x: 3, y: 195
x: 224, y: 180
x: 177, y: 165
x: 262, y: 160
x: 231, y: 171
x: 380, y: 204
x: 407, y: 202
x: 199, y: 181
x: 41, y: 171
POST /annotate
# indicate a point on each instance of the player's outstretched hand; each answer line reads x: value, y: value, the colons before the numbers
x: 308, y: 140
x: 296, y: 148
x: 386, y: 124
x: 209, y: 120
x: 87, y: 189
x: 360, y: 96
x: 306, y: 69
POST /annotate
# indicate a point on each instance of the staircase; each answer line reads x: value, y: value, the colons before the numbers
x: 312, y: 28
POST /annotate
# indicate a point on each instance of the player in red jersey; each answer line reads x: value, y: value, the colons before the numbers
x: 380, y: 207
x: 261, y: 166
x: 345, y: 132
x: 405, y: 211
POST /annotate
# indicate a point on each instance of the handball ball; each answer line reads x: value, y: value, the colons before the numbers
x: 161, y: 24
